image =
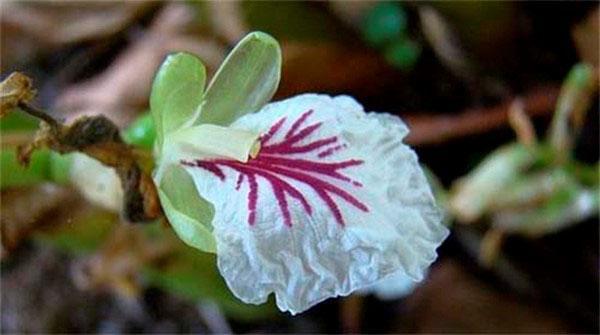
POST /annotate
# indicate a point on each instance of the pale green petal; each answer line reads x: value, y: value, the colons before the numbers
x: 176, y: 93
x: 189, y: 214
x: 245, y: 82
x: 211, y: 141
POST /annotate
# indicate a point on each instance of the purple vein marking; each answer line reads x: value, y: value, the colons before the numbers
x: 272, y: 165
x: 331, y: 151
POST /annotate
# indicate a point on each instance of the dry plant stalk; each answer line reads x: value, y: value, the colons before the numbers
x: 521, y: 123
x: 96, y: 136
x: 435, y: 129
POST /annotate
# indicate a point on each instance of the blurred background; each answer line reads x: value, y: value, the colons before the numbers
x: 477, y: 83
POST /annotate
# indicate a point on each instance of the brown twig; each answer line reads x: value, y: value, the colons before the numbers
x: 95, y: 136
x: 521, y: 124
x: 99, y: 138
x: 34, y: 111
x: 434, y: 129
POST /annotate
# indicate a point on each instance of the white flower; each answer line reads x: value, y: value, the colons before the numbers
x: 333, y: 202
x: 308, y: 198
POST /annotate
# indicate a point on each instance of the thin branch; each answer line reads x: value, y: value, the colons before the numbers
x: 96, y: 136
x: 435, y: 129
x: 38, y: 113
x: 521, y: 124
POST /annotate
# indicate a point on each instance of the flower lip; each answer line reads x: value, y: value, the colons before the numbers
x: 295, y: 246
x: 273, y: 164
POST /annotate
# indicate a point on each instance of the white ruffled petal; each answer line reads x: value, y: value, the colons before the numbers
x: 334, y: 202
x: 395, y: 286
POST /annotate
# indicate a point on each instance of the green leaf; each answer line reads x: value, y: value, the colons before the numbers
x: 588, y: 175
x: 245, y: 82
x: 44, y: 166
x: 60, y: 167
x: 530, y: 189
x: 189, y: 214
x: 176, y: 93
x: 141, y: 132
x: 14, y: 174
x: 575, y: 99
x: 569, y: 204
x: 18, y: 121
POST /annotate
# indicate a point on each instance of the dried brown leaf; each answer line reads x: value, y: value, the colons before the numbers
x: 99, y: 138
x: 15, y: 89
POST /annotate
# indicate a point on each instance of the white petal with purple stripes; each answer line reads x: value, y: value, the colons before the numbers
x: 333, y: 202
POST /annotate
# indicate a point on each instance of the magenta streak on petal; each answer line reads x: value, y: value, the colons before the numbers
x: 331, y: 151
x: 288, y: 149
x: 280, y: 184
x: 283, y: 205
x: 186, y: 163
x: 238, y: 184
x: 206, y: 166
x: 272, y: 165
x: 252, y: 199
x: 298, y: 123
x: 328, y: 169
x: 280, y: 187
x: 285, y: 146
x: 317, y: 184
x: 302, y: 134
x: 274, y: 129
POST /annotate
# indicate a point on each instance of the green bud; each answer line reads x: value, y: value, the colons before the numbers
x: 141, y: 132
x: 383, y: 23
